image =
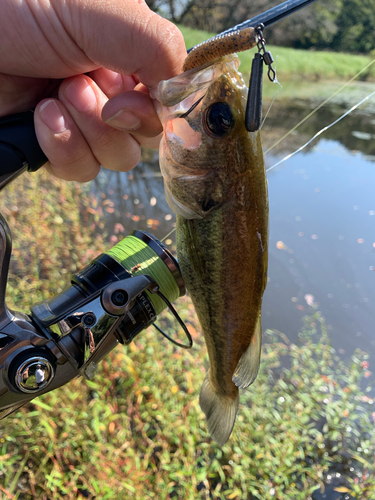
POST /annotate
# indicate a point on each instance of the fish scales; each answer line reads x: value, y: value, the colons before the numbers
x: 217, y: 258
x: 215, y: 182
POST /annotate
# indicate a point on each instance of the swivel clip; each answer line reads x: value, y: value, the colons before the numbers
x: 266, y: 54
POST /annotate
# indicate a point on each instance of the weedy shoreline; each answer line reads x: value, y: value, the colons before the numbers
x: 307, y: 423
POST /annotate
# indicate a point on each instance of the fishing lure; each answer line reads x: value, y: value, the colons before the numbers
x: 221, y: 45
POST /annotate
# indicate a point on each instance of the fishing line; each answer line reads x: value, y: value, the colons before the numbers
x: 320, y: 105
x: 192, y: 107
x: 171, y: 232
x: 274, y: 98
x: 138, y: 258
x: 322, y: 130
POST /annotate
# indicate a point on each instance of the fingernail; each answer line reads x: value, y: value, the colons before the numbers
x: 116, y: 81
x: 124, y: 120
x: 81, y: 95
x: 51, y: 115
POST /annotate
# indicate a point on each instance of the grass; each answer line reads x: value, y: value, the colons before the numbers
x: 136, y: 430
x: 299, y: 65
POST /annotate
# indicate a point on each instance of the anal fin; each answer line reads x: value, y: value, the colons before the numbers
x: 248, y: 365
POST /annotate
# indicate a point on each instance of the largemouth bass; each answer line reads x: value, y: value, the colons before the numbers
x: 215, y: 182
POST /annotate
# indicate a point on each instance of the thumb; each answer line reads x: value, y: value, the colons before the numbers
x: 125, y: 36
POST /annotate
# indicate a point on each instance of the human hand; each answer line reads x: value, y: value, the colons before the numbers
x: 86, y: 66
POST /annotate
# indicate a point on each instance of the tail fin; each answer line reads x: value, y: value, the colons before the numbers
x: 220, y: 412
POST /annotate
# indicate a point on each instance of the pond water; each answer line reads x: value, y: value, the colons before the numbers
x: 322, y: 216
x: 322, y: 243
x: 322, y: 237
x: 322, y: 220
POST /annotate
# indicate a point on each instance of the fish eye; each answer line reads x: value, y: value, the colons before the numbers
x: 218, y: 119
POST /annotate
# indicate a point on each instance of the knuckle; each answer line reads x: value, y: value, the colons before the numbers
x: 174, y: 35
x: 76, y: 164
x: 79, y: 173
x: 170, y: 47
x: 71, y: 156
x: 116, y: 150
x: 103, y: 140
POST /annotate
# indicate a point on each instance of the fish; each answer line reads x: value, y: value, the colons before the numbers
x: 215, y: 182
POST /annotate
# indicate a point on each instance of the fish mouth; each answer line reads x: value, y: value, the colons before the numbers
x: 170, y: 93
x: 194, y: 193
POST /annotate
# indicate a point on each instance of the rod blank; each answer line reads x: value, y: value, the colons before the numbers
x: 272, y: 15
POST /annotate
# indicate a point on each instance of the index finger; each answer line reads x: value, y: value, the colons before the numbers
x: 127, y: 37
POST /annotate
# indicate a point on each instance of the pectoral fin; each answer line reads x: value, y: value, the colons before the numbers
x: 201, y: 194
x: 248, y: 365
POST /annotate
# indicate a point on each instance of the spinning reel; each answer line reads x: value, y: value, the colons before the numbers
x: 110, y: 301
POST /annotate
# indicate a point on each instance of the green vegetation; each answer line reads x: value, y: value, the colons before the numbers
x: 136, y: 430
x: 299, y: 64
x: 355, y: 26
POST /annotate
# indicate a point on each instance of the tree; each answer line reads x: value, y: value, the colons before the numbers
x: 356, y: 26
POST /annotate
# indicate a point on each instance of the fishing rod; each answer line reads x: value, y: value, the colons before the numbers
x: 113, y: 299
x: 273, y: 15
x: 268, y: 17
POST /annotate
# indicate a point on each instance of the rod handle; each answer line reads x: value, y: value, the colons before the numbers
x: 18, y: 144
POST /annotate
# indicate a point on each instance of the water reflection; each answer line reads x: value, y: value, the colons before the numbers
x: 138, y: 198
x: 322, y: 220
x: 355, y: 132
